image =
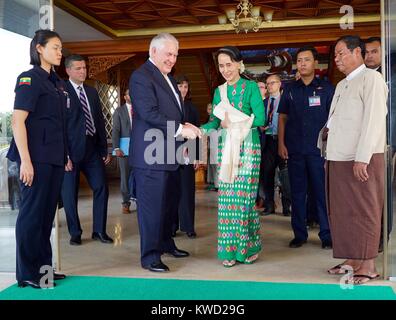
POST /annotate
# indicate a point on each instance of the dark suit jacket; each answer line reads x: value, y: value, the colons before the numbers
x: 262, y: 134
x: 121, y: 125
x: 154, y: 107
x: 76, y: 123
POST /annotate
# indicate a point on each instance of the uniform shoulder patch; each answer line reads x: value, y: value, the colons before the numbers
x: 25, y: 80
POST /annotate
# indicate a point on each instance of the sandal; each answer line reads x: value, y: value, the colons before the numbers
x: 358, y: 279
x: 251, y: 259
x: 229, y: 263
x: 340, y: 269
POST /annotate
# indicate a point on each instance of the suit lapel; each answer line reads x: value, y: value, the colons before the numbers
x: 126, y: 115
x: 160, y: 80
x: 73, y: 94
x: 266, y: 110
x: 182, y: 109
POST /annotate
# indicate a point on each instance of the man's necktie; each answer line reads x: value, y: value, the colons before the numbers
x: 270, y: 114
x: 89, y: 125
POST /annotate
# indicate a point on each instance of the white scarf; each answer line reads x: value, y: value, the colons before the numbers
x: 239, y: 128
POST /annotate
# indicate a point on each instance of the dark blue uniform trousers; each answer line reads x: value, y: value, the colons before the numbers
x: 34, y: 223
x: 304, y: 169
x: 94, y: 170
x: 158, y: 194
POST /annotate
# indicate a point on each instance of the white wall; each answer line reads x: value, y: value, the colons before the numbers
x: 14, y: 59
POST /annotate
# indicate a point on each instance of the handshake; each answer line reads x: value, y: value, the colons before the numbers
x: 189, y: 131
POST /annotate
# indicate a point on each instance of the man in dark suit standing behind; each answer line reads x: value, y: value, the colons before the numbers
x: 372, y: 58
x: 87, y: 152
x: 157, y: 133
x: 122, y: 122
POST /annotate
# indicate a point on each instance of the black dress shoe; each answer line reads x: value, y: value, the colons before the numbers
x: 59, y: 276
x: 33, y: 283
x: 157, y: 267
x: 287, y: 213
x: 191, y: 235
x: 102, y: 237
x: 75, y: 241
x: 268, y: 210
x: 296, y: 243
x: 177, y: 253
x: 327, y: 244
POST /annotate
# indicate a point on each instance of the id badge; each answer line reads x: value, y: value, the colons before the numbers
x: 67, y: 99
x: 314, y: 101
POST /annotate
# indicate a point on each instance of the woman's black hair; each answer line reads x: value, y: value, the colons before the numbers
x: 235, y: 56
x: 232, y: 52
x: 183, y: 78
x: 41, y: 37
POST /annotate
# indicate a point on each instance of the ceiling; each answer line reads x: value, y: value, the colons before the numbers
x: 117, y: 16
x: 73, y: 29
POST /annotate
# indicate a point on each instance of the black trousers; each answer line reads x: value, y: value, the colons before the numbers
x: 270, y: 161
x: 186, y: 211
x: 158, y: 194
x: 94, y: 170
x: 34, y: 223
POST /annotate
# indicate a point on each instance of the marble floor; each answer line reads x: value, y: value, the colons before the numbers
x: 277, y: 262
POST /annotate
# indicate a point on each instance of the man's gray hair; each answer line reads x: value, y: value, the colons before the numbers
x: 159, y: 39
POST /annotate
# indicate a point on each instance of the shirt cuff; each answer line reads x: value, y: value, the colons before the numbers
x: 179, y: 130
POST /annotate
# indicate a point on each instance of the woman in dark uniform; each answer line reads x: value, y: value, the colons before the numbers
x: 39, y: 147
x: 186, y: 213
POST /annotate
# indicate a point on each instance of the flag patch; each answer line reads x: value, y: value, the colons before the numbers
x: 25, y: 80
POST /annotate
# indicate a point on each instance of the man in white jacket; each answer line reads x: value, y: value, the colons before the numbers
x: 355, y: 161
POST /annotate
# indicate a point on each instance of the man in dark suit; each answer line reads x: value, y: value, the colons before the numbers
x: 122, y: 122
x: 270, y: 159
x: 157, y: 135
x: 260, y: 192
x: 372, y: 58
x: 87, y: 152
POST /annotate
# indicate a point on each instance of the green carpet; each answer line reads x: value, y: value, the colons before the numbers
x: 109, y: 288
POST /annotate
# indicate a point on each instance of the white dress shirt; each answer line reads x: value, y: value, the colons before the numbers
x: 75, y: 86
x: 129, y: 107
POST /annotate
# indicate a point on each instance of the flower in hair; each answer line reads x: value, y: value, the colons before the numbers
x: 242, y: 69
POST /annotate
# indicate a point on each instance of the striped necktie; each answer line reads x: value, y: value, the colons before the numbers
x: 89, y: 125
x: 270, y: 115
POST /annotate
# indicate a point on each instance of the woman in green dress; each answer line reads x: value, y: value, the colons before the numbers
x: 238, y: 222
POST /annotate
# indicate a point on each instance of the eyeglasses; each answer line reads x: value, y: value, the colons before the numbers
x: 272, y: 83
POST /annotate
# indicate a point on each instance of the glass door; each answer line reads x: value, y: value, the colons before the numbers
x: 19, y: 19
x: 389, y: 35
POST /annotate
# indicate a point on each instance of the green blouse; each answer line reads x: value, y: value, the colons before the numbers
x: 243, y: 95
